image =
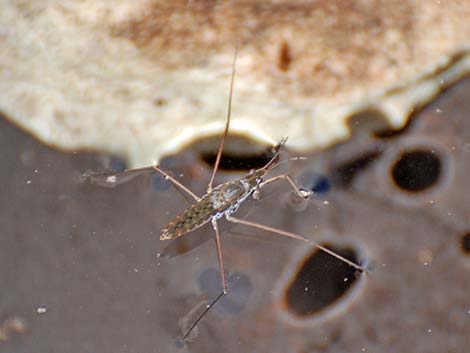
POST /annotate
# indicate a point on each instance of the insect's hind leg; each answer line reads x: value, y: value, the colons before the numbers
x: 295, y: 236
x: 223, y: 278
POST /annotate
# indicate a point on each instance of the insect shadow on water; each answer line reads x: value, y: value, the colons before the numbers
x: 220, y: 201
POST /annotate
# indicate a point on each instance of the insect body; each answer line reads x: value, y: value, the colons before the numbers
x: 222, y: 200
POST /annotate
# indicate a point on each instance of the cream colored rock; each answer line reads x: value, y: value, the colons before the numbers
x: 143, y: 78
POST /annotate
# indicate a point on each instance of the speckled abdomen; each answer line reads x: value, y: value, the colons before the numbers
x: 213, y: 204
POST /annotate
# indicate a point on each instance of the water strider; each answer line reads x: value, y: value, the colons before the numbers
x: 221, y: 201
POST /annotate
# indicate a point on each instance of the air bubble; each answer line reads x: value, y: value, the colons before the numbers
x: 416, y: 170
x: 465, y: 243
x: 327, y: 279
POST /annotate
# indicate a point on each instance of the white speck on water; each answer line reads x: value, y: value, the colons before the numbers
x: 429, y: 330
x: 111, y: 179
x: 431, y: 201
x: 326, y: 203
x: 28, y: 181
x: 36, y: 171
x: 306, y: 289
x: 466, y: 147
x: 41, y: 309
x: 158, y: 255
x: 136, y: 270
x: 346, y: 279
x: 363, y: 350
x: 438, y: 110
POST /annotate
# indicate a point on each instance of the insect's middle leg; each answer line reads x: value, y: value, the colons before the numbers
x: 301, y: 193
x: 176, y: 182
x: 112, y: 179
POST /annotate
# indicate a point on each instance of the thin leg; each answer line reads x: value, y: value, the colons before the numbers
x: 295, y: 236
x: 222, y: 275
x: 219, y: 255
x: 112, y: 179
x: 176, y: 182
x: 301, y: 193
x: 227, y: 125
x: 208, y: 307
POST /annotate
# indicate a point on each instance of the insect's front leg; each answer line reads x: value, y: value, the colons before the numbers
x: 256, y: 193
x: 299, y: 192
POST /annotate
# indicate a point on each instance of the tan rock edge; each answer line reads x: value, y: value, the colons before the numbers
x: 141, y: 79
